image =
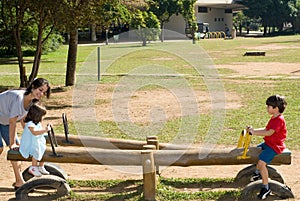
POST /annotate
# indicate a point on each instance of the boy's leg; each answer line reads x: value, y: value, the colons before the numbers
x: 262, y: 166
x: 265, y: 158
x: 256, y: 174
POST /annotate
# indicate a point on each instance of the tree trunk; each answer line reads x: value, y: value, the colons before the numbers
x: 38, y: 51
x: 297, y: 23
x: 93, y: 33
x: 265, y: 30
x: 23, y: 78
x: 72, y: 55
x: 18, y: 14
x: 162, y: 33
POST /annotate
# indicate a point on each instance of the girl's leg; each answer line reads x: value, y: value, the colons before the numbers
x: 34, y: 169
x: 42, y: 169
x: 41, y: 163
x: 34, y: 162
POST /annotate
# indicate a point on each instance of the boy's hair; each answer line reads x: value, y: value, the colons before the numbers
x: 277, y: 101
x: 35, y: 114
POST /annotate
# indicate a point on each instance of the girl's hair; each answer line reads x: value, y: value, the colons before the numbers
x: 277, y: 101
x: 36, y: 83
x: 35, y: 114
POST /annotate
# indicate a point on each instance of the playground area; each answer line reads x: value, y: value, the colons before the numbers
x: 233, y: 101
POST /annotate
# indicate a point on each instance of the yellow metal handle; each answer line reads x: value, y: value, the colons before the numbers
x: 244, y: 141
x: 241, y: 139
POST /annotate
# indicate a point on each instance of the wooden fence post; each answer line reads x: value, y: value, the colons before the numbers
x: 149, y: 177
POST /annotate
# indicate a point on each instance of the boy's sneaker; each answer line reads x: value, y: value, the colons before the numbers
x: 43, y: 170
x: 264, y: 193
x: 34, y: 170
x: 255, y: 177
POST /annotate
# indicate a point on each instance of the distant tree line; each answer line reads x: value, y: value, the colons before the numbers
x: 271, y: 15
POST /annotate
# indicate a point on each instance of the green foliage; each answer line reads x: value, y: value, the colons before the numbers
x: 273, y: 13
x: 53, y: 43
x: 147, y: 25
x: 164, y: 9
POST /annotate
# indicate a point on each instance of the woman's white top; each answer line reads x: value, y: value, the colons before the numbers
x: 12, y: 105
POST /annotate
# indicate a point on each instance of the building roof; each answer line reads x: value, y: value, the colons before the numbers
x: 225, y: 4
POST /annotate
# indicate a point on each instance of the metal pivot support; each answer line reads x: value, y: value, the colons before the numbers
x: 53, y: 136
x: 66, y: 128
x: 52, y: 139
x: 244, y: 142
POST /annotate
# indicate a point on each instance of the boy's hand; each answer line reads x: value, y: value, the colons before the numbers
x: 249, y: 129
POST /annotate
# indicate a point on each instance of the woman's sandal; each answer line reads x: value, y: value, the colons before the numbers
x: 15, y: 187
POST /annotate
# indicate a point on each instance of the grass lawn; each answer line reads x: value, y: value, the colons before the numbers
x: 119, y: 60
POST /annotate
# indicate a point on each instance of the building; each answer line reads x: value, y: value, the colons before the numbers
x: 216, y: 13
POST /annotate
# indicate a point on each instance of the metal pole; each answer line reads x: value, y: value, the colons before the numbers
x: 98, y: 63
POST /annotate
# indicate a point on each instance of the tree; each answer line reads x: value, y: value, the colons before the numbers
x: 188, y: 12
x: 111, y: 12
x: 44, y: 14
x: 81, y: 13
x: 238, y: 21
x: 147, y: 25
x: 14, y: 19
x: 71, y: 15
x: 28, y: 16
x: 273, y: 13
x: 164, y: 9
x: 297, y: 21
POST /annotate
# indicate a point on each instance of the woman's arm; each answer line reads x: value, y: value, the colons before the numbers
x: 22, y: 122
x: 12, y: 132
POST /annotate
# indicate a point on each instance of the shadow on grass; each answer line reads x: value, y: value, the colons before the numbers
x: 122, y: 190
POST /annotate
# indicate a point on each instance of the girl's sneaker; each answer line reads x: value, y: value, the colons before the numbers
x: 34, y: 170
x: 43, y: 170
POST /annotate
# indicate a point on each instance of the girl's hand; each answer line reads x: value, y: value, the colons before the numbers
x: 48, y: 128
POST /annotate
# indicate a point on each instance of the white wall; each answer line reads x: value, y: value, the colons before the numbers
x: 217, y: 18
x: 176, y: 24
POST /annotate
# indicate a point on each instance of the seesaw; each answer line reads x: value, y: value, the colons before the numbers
x: 243, y: 154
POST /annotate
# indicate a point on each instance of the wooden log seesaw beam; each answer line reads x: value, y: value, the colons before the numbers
x: 190, y: 157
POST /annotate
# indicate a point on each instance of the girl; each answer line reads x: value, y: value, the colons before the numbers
x: 14, y: 105
x: 33, y: 142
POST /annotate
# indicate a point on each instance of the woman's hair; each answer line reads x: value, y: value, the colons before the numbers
x: 35, y: 114
x: 277, y: 101
x: 36, y: 83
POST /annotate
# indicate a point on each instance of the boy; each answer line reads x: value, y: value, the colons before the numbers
x: 274, y: 136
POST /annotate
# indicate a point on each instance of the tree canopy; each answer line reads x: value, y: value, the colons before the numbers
x: 272, y: 13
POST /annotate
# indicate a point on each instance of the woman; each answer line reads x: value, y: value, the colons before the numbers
x: 14, y: 105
